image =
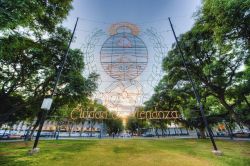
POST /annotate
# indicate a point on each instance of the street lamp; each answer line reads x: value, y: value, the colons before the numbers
x: 197, y: 96
x: 47, y: 102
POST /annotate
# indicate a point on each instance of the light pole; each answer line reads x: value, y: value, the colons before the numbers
x: 197, y: 96
x: 47, y: 102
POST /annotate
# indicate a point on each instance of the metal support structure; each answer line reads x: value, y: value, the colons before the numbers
x: 197, y: 96
x: 44, y: 114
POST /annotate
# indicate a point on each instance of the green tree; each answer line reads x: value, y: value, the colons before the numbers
x: 114, y: 124
x: 165, y: 98
x: 25, y: 26
x: 34, y: 14
x: 33, y: 70
x: 228, y: 19
x: 32, y: 45
x: 136, y: 126
x: 214, y: 67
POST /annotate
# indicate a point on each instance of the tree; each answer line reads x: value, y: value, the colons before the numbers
x: 114, y: 124
x: 216, y: 52
x: 24, y: 26
x: 132, y: 124
x: 32, y: 45
x: 33, y: 69
x: 228, y: 19
x: 241, y: 93
x: 33, y: 14
x: 165, y: 98
x: 212, y: 66
x: 136, y: 126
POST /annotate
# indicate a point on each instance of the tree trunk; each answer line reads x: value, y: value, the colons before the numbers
x: 29, y: 136
x: 91, y: 128
x: 230, y: 133
x: 56, y: 130
x: 82, y: 124
x: 17, y: 125
x: 166, y: 132
x: 26, y: 134
x: 230, y: 110
x: 39, y: 117
x: 21, y: 127
x: 174, y: 132
x: 156, y: 132
x: 81, y: 129
x: 187, y: 131
x: 202, y: 133
x: 4, y: 131
x: 70, y: 127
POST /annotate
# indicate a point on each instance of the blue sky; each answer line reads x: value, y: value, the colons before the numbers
x: 101, y: 14
x: 135, y: 11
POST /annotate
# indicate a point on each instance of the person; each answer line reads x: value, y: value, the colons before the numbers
x: 113, y: 135
x: 57, y: 136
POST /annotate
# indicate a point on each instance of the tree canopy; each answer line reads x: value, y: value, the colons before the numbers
x: 216, y: 52
x: 32, y: 46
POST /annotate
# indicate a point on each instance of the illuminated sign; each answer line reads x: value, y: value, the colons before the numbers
x: 79, y: 113
x: 157, y: 115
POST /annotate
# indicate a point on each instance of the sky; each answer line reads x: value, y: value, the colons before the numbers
x: 151, y: 17
x: 135, y: 11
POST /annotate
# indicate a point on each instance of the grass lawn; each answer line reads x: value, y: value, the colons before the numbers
x: 127, y: 152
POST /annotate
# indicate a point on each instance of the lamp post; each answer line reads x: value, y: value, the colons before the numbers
x: 47, y: 102
x: 197, y: 96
